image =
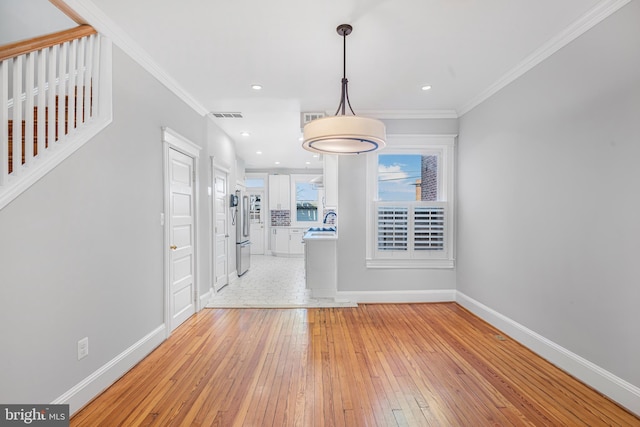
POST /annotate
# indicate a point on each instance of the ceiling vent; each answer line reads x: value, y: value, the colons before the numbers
x: 227, y: 115
x: 307, y: 117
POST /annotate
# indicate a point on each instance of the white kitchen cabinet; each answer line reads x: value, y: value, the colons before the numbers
x: 296, y: 245
x: 279, y: 192
x: 330, y: 179
x: 280, y: 241
x: 287, y: 241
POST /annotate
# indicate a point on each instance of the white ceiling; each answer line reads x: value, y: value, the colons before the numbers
x: 217, y: 49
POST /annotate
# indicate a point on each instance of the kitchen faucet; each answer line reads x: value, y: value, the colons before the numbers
x: 324, y: 221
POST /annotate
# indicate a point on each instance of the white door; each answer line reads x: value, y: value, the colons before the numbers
x: 256, y: 219
x: 221, y: 229
x: 181, y: 238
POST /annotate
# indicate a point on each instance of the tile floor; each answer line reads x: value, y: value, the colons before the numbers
x: 271, y: 282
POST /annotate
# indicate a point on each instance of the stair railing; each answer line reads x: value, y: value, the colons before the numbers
x: 50, y: 93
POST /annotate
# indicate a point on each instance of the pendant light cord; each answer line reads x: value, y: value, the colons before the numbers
x: 345, y: 89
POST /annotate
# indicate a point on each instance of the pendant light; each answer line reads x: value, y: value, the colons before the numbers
x: 344, y: 134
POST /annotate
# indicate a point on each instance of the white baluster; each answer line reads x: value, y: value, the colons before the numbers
x: 17, y: 114
x: 51, y: 96
x: 29, y: 81
x: 62, y: 71
x: 71, y: 88
x: 82, y: 46
x: 42, y: 98
x: 88, y: 77
x: 4, y: 122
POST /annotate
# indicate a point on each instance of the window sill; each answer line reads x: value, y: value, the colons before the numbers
x: 411, y: 263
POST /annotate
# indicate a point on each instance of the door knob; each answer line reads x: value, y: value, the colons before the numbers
x: 173, y: 247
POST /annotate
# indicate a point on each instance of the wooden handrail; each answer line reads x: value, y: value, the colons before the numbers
x: 25, y: 46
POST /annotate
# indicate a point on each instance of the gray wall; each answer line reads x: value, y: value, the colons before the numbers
x: 352, y: 179
x: 81, y: 251
x: 548, y: 206
x: 24, y: 19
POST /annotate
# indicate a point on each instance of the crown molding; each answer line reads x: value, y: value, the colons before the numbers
x: 575, y: 30
x: 90, y: 13
x: 409, y: 114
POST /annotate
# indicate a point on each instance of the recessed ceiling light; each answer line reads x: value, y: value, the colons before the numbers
x: 426, y: 87
x: 316, y: 155
x: 300, y: 139
x: 258, y: 152
x: 277, y: 163
x: 245, y: 133
x: 307, y: 163
x: 256, y: 87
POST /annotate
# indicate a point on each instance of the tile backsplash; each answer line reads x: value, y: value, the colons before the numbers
x: 280, y: 218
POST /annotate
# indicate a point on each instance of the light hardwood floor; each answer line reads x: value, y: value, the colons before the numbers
x: 373, y: 365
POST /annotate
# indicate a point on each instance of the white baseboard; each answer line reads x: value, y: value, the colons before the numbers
x: 83, y: 392
x: 619, y: 390
x: 440, y: 295
x: 204, y: 299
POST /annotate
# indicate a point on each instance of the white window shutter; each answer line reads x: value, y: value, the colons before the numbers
x: 428, y: 228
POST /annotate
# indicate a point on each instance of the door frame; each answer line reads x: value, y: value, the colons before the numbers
x: 212, y: 218
x: 266, y: 212
x: 263, y: 216
x: 173, y: 140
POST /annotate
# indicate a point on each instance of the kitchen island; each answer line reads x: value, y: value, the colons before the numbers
x: 321, y: 264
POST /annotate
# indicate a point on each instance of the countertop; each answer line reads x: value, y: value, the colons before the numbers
x: 320, y: 235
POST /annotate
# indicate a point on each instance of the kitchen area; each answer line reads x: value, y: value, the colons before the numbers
x: 292, y: 218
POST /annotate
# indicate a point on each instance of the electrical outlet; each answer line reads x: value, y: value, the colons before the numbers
x: 83, y: 348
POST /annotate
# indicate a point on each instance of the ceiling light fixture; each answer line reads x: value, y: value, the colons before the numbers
x: 426, y: 87
x: 245, y: 133
x: 342, y: 134
x: 256, y: 87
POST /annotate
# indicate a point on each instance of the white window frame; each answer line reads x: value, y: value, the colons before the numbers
x: 294, y: 212
x: 444, y: 147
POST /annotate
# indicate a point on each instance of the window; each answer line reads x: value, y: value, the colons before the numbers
x: 411, y: 211
x: 306, y: 197
x: 306, y: 202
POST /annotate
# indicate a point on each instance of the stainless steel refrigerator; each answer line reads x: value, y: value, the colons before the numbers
x: 243, y: 244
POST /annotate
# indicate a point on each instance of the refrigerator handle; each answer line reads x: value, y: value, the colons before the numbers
x: 245, y: 216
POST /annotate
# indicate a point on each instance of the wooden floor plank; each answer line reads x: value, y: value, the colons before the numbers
x: 373, y: 365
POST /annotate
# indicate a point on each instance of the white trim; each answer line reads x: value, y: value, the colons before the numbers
x: 41, y: 167
x: 624, y: 393
x: 204, y: 299
x: 418, y: 296
x: 173, y: 140
x: 180, y: 143
x: 425, y: 264
x: 215, y: 166
x: 445, y: 147
x: 409, y: 114
x: 601, y: 11
x: 83, y: 392
x: 105, y: 25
